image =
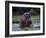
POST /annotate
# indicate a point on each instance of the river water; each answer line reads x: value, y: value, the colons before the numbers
x: 35, y: 26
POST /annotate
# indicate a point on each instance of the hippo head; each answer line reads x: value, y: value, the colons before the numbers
x: 27, y: 14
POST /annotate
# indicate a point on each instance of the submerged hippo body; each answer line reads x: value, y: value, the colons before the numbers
x: 25, y: 22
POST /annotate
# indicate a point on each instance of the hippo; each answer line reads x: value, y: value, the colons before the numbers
x: 25, y: 20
